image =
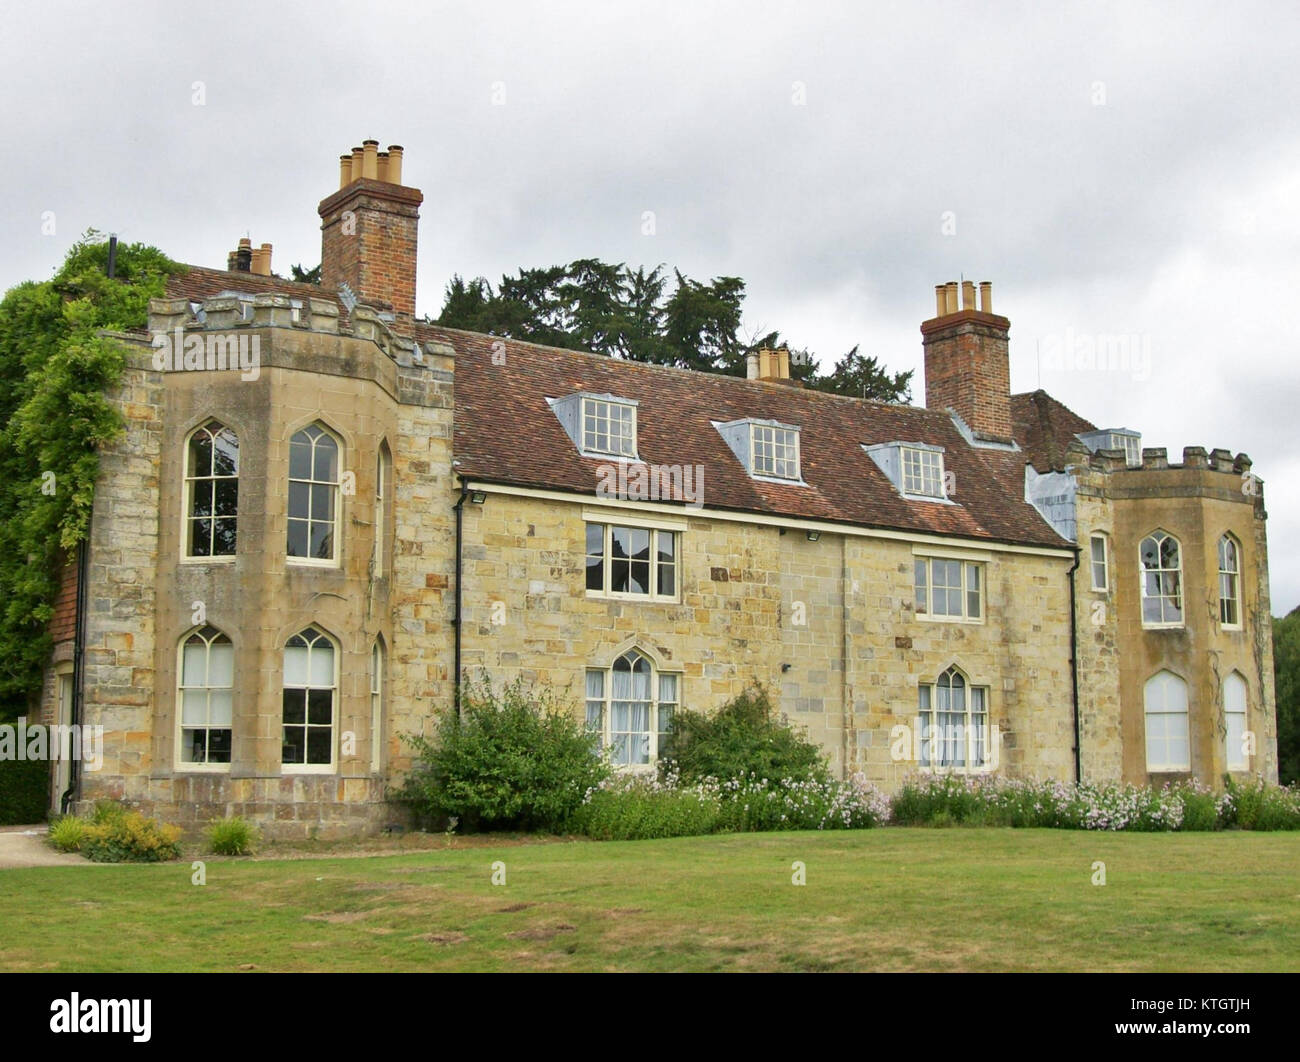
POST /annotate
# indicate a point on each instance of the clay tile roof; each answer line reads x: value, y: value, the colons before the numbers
x: 1044, y: 428
x: 200, y: 282
x: 505, y: 432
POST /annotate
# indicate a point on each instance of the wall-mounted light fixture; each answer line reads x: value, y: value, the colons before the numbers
x: 813, y: 536
x: 478, y: 497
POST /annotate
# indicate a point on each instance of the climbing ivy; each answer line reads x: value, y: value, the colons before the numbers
x: 55, y: 367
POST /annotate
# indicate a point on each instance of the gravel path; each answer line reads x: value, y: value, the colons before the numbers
x: 24, y: 846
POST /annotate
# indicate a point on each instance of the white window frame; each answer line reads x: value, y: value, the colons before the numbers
x: 923, y: 595
x: 599, y: 710
x: 789, y: 444
x: 603, y: 409
x: 1179, y: 596
x: 383, y: 464
x: 1166, y: 713
x: 1230, y: 578
x: 335, y: 559
x: 376, y: 705
x: 1104, y: 585
x: 178, y: 756
x: 975, y: 732
x: 335, y: 704
x: 187, y: 495
x: 1131, y: 445
x: 929, y: 466
x: 607, y: 525
x: 1236, y: 719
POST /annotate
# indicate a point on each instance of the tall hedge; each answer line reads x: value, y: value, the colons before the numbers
x: 24, y: 791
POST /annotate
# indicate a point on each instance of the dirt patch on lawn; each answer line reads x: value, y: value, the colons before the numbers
x: 542, y: 932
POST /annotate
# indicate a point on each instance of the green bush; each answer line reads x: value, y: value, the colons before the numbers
x: 232, y: 836
x: 515, y: 761
x: 639, y: 809
x: 68, y: 833
x: 741, y: 740
x: 106, y: 811
x: 1257, y: 806
x: 118, y: 836
x: 24, y: 791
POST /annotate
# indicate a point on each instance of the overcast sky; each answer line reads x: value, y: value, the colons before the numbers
x: 1114, y: 170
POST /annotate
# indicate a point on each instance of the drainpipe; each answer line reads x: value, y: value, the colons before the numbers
x: 78, y: 667
x: 1074, y: 668
x: 459, y: 508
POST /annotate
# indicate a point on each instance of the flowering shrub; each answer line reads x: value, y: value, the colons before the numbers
x: 632, y: 807
x: 987, y: 800
x: 122, y: 836
x: 1258, y: 806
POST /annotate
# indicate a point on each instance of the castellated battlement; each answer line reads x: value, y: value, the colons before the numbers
x: 1156, y: 459
x: 236, y: 312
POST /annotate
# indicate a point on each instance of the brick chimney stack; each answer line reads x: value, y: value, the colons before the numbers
x: 966, y: 364
x: 369, y: 227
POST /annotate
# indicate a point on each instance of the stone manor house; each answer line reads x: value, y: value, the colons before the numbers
x: 324, y: 510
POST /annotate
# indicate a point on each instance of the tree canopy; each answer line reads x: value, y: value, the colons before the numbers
x: 649, y: 316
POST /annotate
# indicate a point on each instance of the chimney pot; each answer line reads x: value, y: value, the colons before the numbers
x: 950, y: 297
x: 394, y: 163
x: 357, y: 154
x: 345, y: 170
x: 939, y: 301
x: 383, y: 166
x: 370, y: 159
x: 968, y: 295
x: 986, y: 296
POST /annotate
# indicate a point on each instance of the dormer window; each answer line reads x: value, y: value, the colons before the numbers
x: 775, y: 451
x: 599, y: 425
x: 922, y: 472
x: 608, y: 427
x: 914, y: 468
x: 1116, y: 439
x: 767, y: 448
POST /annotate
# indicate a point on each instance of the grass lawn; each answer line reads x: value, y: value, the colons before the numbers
x: 887, y: 899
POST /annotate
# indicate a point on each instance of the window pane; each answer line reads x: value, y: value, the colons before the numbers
x: 194, y: 746
x: 322, y: 664
x: 299, y: 496
x: 201, y: 453
x: 299, y: 458
x: 322, y: 541
x: 322, y: 502
x: 595, y: 538
x: 202, y: 497
x: 297, y: 545
x: 295, y: 706
x: 194, y: 658
x: 327, y: 460
x: 218, y: 746
x: 295, y: 666
x: 194, y: 708
x: 220, y: 708
x: 319, y: 741
x: 294, y: 748
x: 221, y: 664
x: 320, y: 707
x: 667, y: 580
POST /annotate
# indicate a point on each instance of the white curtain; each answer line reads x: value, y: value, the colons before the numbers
x: 630, y: 711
